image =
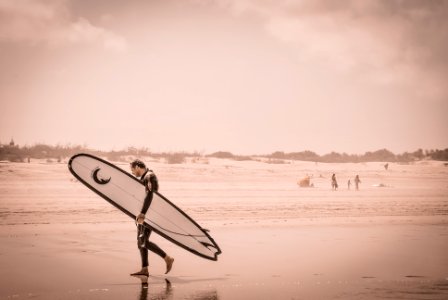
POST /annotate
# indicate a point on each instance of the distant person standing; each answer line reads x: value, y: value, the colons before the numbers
x: 348, y: 183
x: 334, y: 183
x: 386, y: 166
x: 357, y: 182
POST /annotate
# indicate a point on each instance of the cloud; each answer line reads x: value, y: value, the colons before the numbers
x: 386, y: 40
x: 83, y: 31
x: 52, y: 23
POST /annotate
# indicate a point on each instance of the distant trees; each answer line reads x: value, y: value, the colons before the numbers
x: 221, y: 154
x: 12, y: 152
x: 379, y: 155
x: 304, y: 155
x: 58, y: 152
x: 438, y: 154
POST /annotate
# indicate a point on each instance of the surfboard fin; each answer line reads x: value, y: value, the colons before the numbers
x: 208, y: 245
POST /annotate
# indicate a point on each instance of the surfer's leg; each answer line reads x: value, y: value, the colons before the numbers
x: 144, y: 256
x: 141, y: 243
x: 157, y: 250
x: 169, y: 263
x: 143, y: 251
x: 150, y: 245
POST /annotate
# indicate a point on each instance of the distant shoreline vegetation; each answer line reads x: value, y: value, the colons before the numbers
x: 14, y: 153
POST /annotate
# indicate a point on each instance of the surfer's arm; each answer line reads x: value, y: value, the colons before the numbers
x: 146, y: 203
x: 149, y: 182
x: 140, y: 219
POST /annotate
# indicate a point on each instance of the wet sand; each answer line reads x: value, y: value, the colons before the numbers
x: 60, y: 241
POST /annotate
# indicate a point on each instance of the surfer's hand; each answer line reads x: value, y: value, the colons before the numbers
x: 140, y: 219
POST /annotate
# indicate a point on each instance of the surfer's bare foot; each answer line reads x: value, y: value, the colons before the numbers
x: 143, y: 279
x: 169, y: 263
x: 143, y: 271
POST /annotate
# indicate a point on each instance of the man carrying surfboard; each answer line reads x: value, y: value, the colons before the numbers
x: 149, y: 180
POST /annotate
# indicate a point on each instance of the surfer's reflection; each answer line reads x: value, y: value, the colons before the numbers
x: 167, y: 293
x: 164, y: 294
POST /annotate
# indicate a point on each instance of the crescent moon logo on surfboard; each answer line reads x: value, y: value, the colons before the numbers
x: 98, y: 180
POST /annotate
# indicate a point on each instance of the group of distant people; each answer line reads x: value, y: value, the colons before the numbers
x: 334, y: 182
x: 306, y: 181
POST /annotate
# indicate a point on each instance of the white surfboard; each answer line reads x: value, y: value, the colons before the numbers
x: 127, y: 193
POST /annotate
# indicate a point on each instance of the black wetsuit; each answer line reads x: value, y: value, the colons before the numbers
x: 149, y: 179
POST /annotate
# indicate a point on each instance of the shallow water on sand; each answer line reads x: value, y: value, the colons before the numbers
x: 61, y: 241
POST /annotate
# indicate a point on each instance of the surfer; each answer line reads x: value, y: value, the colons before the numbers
x: 357, y: 182
x: 334, y: 183
x: 149, y: 180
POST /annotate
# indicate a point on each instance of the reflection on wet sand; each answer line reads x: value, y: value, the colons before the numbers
x: 167, y: 293
x: 424, y: 289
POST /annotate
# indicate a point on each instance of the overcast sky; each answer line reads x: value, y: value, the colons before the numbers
x: 246, y: 76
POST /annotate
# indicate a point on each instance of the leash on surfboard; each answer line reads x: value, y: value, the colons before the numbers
x: 205, y: 244
x: 174, y: 232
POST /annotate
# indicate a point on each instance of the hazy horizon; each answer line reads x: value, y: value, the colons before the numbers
x: 248, y: 77
x: 87, y: 147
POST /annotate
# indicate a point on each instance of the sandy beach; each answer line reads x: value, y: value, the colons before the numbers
x: 279, y: 241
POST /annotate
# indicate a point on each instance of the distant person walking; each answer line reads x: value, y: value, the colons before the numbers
x: 334, y: 183
x: 357, y: 182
